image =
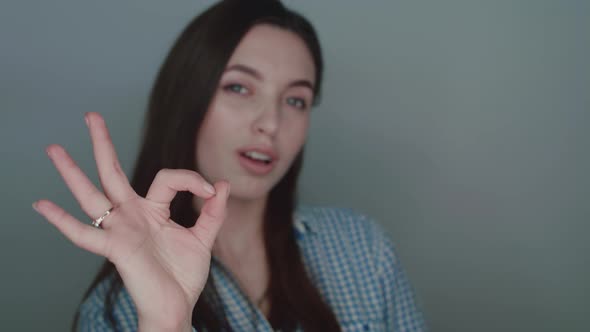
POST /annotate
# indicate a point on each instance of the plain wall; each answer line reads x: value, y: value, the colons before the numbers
x: 461, y: 126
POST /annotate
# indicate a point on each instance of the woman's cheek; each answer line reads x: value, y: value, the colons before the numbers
x: 239, y: 103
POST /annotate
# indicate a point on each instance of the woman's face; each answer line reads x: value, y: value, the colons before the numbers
x: 257, y: 121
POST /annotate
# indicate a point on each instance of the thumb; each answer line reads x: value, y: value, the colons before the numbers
x: 213, y: 213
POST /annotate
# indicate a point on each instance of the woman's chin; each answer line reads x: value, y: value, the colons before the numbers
x: 248, y: 193
x: 249, y: 188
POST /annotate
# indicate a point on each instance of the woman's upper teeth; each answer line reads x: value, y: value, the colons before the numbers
x: 257, y: 155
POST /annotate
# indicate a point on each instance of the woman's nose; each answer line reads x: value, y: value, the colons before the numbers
x: 267, y: 121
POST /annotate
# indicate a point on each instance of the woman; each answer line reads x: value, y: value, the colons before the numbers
x: 231, y: 105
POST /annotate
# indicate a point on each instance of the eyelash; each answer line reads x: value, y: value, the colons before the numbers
x: 303, y: 103
x: 230, y: 88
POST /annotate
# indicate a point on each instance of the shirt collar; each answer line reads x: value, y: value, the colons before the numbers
x: 302, y: 225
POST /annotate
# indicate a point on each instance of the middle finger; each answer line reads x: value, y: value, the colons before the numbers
x: 92, y: 201
x: 113, y: 179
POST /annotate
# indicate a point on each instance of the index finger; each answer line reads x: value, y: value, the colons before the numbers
x: 168, y: 182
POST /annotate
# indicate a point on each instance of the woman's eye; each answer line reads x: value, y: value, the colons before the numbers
x: 237, y: 88
x: 297, y: 102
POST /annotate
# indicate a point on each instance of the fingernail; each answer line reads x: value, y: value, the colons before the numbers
x: 86, y: 119
x: 35, y: 206
x: 209, y: 188
x: 228, y: 190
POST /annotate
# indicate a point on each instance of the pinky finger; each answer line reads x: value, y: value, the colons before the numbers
x: 83, y: 236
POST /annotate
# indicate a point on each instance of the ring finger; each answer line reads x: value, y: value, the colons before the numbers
x: 93, y: 202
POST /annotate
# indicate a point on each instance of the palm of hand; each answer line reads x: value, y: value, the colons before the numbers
x: 158, y: 258
x: 164, y: 266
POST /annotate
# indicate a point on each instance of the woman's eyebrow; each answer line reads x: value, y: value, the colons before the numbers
x: 303, y: 83
x: 254, y: 73
x: 246, y: 70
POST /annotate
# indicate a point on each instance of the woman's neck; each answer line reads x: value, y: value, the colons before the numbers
x: 243, y: 227
x: 240, y: 247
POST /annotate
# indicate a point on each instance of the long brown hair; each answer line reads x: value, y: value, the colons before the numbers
x: 180, y: 97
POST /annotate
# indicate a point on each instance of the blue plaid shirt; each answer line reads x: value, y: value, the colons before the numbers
x: 349, y: 259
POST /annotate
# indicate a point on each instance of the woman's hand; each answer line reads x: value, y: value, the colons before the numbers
x: 164, y: 266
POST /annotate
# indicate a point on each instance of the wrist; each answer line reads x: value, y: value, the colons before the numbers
x: 169, y: 325
x: 148, y: 327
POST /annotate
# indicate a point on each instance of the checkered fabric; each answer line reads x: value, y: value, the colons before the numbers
x: 348, y: 257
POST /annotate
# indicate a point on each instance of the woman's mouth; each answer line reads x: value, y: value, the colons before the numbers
x: 257, y: 162
x: 258, y: 156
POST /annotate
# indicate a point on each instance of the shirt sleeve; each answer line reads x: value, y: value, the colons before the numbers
x: 92, y: 311
x: 402, y: 312
x: 92, y: 316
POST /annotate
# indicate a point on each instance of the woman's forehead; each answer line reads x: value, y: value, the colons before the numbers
x: 275, y: 53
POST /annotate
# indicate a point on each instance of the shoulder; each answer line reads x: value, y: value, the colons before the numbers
x: 92, y: 310
x: 324, y: 218
x: 346, y: 252
x: 343, y: 235
x: 337, y: 222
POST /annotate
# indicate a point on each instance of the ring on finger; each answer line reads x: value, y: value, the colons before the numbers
x: 96, y: 222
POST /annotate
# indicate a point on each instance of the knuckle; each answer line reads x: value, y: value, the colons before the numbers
x: 68, y: 162
x: 185, y: 173
x: 94, y: 195
x: 77, y: 239
x: 162, y: 173
x: 61, y: 215
x: 94, y: 203
x: 117, y: 167
x: 196, y: 177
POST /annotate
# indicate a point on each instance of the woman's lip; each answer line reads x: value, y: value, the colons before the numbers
x: 264, y: 150
x: 254, y: 167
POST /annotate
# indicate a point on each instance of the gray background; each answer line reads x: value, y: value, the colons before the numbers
x: 461, y: 126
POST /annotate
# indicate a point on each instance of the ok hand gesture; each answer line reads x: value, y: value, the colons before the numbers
x: 164, y: 266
